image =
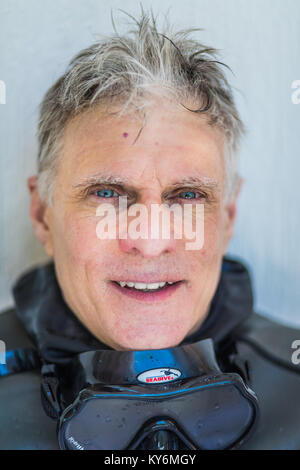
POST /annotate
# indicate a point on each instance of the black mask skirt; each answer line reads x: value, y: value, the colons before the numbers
x: 176, y: 398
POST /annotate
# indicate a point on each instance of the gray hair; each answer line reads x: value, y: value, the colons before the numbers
x: 126, y: 70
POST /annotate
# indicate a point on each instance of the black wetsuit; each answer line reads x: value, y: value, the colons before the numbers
x: 245, y: 342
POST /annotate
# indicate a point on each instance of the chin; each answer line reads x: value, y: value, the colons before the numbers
x: 150, y: 340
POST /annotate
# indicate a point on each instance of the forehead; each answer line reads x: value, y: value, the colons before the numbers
x: 169, y: 142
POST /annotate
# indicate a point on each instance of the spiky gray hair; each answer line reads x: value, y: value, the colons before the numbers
x: 126, y: 70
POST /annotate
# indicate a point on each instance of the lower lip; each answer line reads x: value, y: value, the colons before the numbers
x: 148, y: 296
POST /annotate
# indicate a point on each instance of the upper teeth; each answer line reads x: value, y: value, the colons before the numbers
x: 142, y: 285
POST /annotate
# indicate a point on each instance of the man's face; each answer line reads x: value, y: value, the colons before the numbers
x: 177, y: 158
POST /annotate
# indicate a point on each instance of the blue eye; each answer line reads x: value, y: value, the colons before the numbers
x: 188, y: 195
x: 108, y: 193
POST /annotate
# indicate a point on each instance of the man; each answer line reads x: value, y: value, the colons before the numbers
x: 149, y: 118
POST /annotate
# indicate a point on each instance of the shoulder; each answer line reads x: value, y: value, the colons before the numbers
x: 266, y: 348
x: 271, y: 339
x: 23, y: 421
x: 21, y: 414
x: 12, y: 331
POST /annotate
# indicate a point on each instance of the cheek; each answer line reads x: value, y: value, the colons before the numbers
x: 213, y: 235
x: 77, y: 243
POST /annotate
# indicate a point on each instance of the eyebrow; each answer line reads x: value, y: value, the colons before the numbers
x: 203, y: 182
x: 101, y: 179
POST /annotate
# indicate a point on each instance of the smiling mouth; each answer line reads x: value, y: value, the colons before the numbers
x: 146, y: 287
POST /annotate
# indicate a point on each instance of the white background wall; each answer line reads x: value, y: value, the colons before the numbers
x: 259, y: 40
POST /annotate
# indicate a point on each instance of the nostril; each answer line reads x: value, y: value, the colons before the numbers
x: 147, y: 248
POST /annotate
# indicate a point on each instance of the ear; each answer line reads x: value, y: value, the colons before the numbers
x: 40, y: 215
x: 230, y: 216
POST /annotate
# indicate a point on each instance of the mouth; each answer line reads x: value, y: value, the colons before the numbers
x: 150, y: 291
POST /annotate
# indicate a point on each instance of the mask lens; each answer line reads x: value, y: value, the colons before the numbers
x: 213, y: 416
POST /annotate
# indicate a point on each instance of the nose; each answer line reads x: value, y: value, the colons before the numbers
x: 150, y: 232
x: 147, y: 248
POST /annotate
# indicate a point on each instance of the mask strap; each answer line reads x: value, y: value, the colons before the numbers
x: 50, y: 392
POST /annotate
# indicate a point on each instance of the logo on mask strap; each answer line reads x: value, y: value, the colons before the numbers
x: 163, y: 374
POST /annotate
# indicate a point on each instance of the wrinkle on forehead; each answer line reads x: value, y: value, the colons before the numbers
x: 170, y: 143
